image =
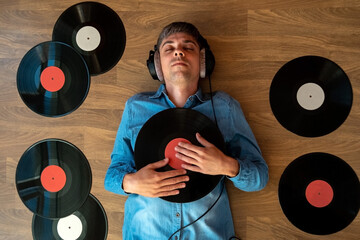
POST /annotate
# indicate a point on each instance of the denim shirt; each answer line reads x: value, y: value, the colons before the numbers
x: 155, y: 218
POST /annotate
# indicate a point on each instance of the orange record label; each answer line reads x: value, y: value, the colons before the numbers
x: 52, y: 79
x: 170, y: 153
x: 53, y: 178
x: 319, y: 193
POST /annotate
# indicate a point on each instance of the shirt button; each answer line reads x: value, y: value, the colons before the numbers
x: 177, y: 214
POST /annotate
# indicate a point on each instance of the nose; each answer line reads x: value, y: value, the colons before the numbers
x: 179, y: 53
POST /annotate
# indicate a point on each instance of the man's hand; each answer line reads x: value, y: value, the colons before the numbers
x: 207, y: 159
x: 150, y: 183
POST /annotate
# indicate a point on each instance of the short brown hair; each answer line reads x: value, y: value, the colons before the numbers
x: 181, y: 27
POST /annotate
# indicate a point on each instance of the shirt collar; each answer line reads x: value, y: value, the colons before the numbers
x: 162, y: 91
x: 159, y: 92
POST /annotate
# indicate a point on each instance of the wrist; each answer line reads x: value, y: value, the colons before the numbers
x: 127, y: 183
x: 233, y: 167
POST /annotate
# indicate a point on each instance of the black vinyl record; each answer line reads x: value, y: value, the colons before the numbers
x: 311, y: 96
x: 53, y: 79
x: 167, y: 126
x: 88, y: 222
x: 319, y: 193
x: 53, y: 178
x: 95, y: 31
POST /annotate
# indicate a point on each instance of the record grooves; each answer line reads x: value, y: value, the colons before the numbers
x: 174, y: 124
x: 88, y: 222
x: 53, y: 178
x: 311, y: 96
x: 53, y: 79
x: 95, y: 31
x: 319, y: 193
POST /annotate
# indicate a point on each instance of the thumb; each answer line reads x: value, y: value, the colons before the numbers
x: 158, y: 164
x: 202, y: 140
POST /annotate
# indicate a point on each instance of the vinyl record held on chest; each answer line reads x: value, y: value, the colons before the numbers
x: 319, y: 193
x: 162, y: 132
x: 311, y: 96
x: 95, y: 31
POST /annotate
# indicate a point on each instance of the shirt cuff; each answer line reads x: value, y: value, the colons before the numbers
x: 238, y: 175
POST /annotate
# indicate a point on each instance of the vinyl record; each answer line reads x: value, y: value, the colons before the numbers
x: 88, y: 222
x: 53, y: 178
x: 311, y: 96
x: 158, y: 136
x: 53, y: 79
x: 95, y: 31
x: 319, y: 193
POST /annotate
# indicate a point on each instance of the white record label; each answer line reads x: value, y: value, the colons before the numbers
x: 88, y: 38
x: 310, y: 96
x: 70, y: 227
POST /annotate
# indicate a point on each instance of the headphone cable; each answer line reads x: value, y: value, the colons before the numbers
x: 222, y: 189
x: 212, y: 102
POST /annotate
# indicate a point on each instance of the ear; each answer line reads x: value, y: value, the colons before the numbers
x: 157, y: 64
x: 202, y: 63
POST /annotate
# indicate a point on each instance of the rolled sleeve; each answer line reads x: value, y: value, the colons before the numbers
x: 242, y: 145
x: 122, y: 160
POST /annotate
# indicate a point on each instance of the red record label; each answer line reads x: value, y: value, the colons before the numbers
x: 170, y: 153
x: 53, y: 178
x: 319, y: 193
x: 52, y: 79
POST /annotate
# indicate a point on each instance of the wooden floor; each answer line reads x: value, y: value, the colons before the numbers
x: 251, y: 40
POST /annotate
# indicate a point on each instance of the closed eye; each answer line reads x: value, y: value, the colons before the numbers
x: 168, y: 49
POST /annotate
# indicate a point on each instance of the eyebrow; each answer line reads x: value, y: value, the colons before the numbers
x: 185, y: 41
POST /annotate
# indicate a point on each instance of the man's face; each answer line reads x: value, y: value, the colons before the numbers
x: 180, y: 58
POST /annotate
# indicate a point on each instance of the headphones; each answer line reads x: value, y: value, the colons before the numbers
x: 207, y: 61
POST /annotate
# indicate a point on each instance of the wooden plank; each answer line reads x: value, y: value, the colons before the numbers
x: 251, y: 41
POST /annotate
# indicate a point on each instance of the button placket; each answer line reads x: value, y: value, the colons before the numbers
x: 178, y: 220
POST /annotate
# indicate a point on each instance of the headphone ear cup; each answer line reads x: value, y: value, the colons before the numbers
x: 157, y: 65
x: 203, y: 63
x: 210, y: 61
x: 151, y: 65
x: 154, y: 65
x: 207, y: 62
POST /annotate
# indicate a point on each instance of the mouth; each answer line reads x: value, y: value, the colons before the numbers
x: 179, y: 63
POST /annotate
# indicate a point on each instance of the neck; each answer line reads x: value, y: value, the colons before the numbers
x: 179, y: 94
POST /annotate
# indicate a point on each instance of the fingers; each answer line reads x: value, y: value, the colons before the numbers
x: 175, y: 181
x: 189, y: 146
x: 194, y: 150
x: 158, y: 164
x: 170, y: 187
x: 193, y: 168
x: 167, y: 193
x: 182, y: 153
x: 168, y: 174
x: 151, y: 183
x: 186, y: 158
x: 171, y: 174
